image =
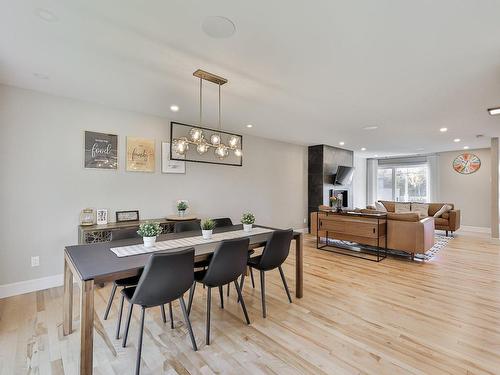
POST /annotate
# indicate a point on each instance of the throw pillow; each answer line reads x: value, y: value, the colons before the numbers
x: 442, y: 210
x: 402, y: 208
x: 422, y: 209
x: 380, y: 207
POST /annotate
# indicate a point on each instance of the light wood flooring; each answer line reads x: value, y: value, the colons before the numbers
x: 356, y: 317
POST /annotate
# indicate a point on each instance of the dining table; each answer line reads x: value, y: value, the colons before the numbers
x: 91, y: 264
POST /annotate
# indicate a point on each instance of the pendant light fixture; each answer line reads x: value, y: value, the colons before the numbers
x: 197, y: 135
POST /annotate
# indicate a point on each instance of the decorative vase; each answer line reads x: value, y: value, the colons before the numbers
x: 149, y: 241
x: 247, y: 227
x: 339, y: 205
x: 207, y: 234
x: 181, y: 213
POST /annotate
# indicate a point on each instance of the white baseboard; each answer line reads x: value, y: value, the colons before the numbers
x: 469, y: 228
x: 28, y: 286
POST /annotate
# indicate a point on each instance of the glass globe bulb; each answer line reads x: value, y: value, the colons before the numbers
x: 221, y: 151
x: 202, y: 147
x: 196, y: 134
x: 181, y: 146
x: 215, y: 139
x: 233, y: 141
x: 238, y: 152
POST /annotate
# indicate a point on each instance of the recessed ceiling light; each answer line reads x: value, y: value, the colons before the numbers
x: 466, y: 147
x: 342, y: 143
x: 442, y: 130
x: 249, y: 126
x: 494, y: 111
x: 46, y: 15
x: 373, y: 127
x: 375, y: 156
x: 218, y: 27
x: 363, y: 148
x: 456, y: 140
x: 174, y: 108
x: 41, y: 76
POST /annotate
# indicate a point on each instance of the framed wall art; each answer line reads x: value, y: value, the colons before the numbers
x: 466, y: 163
x: 167, y: 164
x: 102, y: 216
x: 101, y: 150
x: 140, y: 154
x: 122, y: 216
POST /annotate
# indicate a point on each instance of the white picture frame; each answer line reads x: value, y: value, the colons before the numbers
x: 168, y: 165
x: 102, y: 216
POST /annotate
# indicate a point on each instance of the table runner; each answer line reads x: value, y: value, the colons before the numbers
x: 129, y: 250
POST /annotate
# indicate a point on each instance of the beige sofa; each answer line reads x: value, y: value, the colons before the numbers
x: 449, y: 221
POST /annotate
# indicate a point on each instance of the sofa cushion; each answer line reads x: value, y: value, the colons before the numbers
x: 444, y: 209
x: 389, y: 206
x: 407, y: 216
x: 435, y: 207
x: 422, y: 209
x: 446, y: 215
x: 439, y: 221
x: 380, y: 207
x: 402, y: 207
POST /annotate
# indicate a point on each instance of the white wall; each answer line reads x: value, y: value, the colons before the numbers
x: 470, y: 193
x: 359, y: 182
x: 44, y: 185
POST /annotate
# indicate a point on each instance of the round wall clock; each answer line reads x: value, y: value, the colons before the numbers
x: 466, y: 163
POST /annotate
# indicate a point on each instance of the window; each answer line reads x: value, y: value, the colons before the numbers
x: 403, y: 183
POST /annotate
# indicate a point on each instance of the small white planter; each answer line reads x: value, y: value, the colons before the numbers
x: 149, y: 241
x: 181, y: 213
x: 247, y: 227
x: 207, y: 234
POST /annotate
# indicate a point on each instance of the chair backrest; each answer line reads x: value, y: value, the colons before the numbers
x: 223, y: 222
x: 166, y: 277
x: 121, y: 234
x: 186, y: 226
x: 228, y: 262
x: 277, y: 249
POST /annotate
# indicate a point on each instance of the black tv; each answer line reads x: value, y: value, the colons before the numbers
x: 343, y: 175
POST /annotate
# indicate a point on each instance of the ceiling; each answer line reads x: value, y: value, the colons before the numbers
x: 306, y: 72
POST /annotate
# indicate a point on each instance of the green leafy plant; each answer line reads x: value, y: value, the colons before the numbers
x: 149, y: 230
x: 248, y: 218
x: 208, y: 224
x: 182, y: 206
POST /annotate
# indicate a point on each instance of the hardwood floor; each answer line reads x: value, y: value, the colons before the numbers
x: 356, y: 317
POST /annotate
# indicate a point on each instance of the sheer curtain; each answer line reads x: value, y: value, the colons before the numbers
x: 371, y: 181
x: 433, y: 163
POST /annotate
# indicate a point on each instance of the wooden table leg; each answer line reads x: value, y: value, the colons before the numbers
x: 86, y: 326
x: 299, y: 266
x: 67, y: 299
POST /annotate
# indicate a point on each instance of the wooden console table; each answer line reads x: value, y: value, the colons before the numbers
x: 367, y: 231
x: 102, y: 233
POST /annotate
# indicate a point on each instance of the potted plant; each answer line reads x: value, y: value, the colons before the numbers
x: 182, y: 206
x: 336, y: 201
x: 207, y: 226
x: 148, y: 232
x: 247, y: 219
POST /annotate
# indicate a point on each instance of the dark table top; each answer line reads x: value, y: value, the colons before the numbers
x: 98, y: 262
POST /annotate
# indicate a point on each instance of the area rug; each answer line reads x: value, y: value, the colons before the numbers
x: 440, y: 242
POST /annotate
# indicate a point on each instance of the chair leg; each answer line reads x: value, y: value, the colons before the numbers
x: 191, y: 295
x: 188, y: 323
x: 228, y: 285
x: 251, y: 277
x: 240, y: 295
x: 171, y: 312
x: 446, y: 233
x: 110, y: 301
x: 242, y: 281
x: 285, y: 284
x: 119, y: 322
x: 127, y: 326
x: 263, y: 292
x: 163, y: 316
x: 221, y: 294
x: 209, y: 298
x: 139, y: 344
